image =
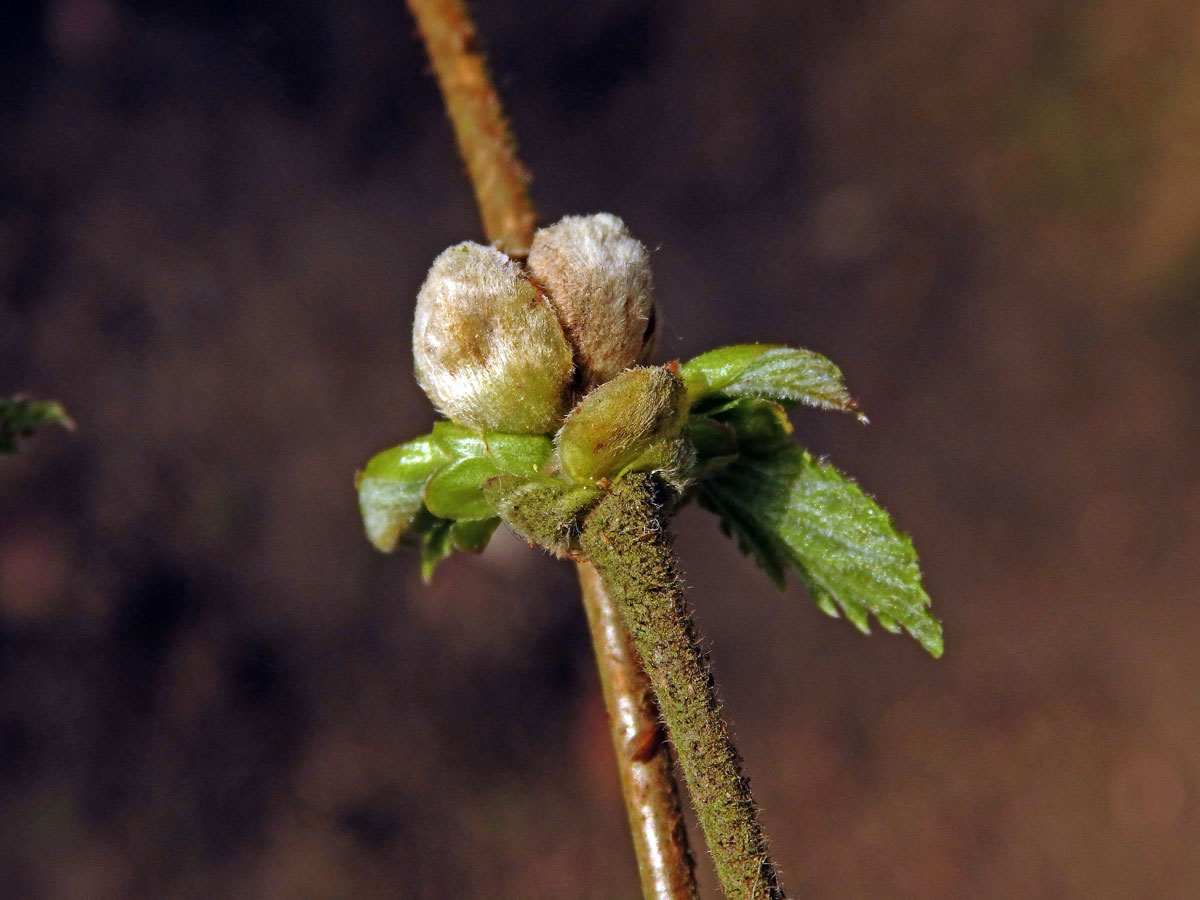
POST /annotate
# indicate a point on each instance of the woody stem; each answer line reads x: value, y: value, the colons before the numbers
x: 501, y: 191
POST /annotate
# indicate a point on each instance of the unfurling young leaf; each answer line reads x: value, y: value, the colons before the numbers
x: 788, y: 508
x: 391, y: 489
x: 770, y: 371
x: 517, y: 454
x: 456, y: 491
x: 440, y: 476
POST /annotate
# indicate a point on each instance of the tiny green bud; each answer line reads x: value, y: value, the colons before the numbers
x: 597, y: 277
x: 623, y: 423
x: 489, y: 350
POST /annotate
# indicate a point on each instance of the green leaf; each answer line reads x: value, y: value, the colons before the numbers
x: 458, y: 442
x: 791, y: 507
x: 391, y: 489
x: 516, y: 454
x: 405, y: 491
x: 456, y: 491
x: 769, y: 371
x: 20, y: 417
x: 519, y: 454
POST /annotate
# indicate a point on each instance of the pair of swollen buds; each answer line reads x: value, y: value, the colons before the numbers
x: 505, y: 346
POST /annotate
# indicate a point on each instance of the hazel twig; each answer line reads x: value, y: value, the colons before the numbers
x: 500, y: 183
x: 474, y: 108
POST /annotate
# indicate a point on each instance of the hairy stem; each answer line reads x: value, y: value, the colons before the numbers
x: 651, y: 800
x: 499, y: 179
x: 628, y: 541
x: 484, y: 139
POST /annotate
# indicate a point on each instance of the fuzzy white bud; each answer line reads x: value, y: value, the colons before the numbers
x: 597, y: 277
x: 489, y: 350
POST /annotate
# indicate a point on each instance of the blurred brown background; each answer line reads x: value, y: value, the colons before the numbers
x: 213, y: 220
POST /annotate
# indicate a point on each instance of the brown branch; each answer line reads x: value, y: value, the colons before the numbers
x: 484, y: 139
x: 500, y: 182
x: 629, y: 543
x: 651, y: 800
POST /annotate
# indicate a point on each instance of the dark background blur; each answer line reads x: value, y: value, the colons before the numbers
x: 213, y: 221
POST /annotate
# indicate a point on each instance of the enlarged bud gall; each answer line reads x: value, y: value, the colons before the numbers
x: 488, y: 348
x: 597, y: 277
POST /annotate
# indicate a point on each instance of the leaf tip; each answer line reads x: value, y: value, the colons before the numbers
x: 930, y: 637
